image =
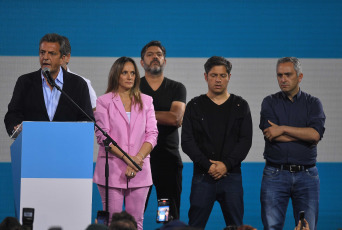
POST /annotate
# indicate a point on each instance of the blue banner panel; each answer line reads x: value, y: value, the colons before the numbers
x: 265, y: 29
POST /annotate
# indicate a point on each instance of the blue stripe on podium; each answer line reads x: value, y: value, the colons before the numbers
x: 57, y: 150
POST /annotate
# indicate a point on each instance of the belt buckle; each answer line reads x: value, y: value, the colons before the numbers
x: 294, y: 168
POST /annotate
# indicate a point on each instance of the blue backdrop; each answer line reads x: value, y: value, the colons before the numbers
x: 309, y: 29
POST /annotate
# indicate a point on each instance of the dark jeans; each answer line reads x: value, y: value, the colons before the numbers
x: 278, y: 186
x: 205, y: 191
x: 167, y: 178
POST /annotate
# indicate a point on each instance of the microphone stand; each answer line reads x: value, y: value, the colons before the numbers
x: 106, y: 142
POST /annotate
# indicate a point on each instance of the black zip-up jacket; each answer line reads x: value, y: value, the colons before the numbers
x: 197, y: 144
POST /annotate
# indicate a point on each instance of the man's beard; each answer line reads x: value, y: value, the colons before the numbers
x: 153, y: 69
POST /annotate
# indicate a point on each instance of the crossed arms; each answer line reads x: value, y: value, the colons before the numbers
x: 285, y: 133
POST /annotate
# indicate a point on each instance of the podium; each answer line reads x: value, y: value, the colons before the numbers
x: 52, y: 169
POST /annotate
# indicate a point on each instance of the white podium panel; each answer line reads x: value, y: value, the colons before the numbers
x: 52, y: 165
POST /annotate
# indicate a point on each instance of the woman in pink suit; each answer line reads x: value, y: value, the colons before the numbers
x: 128, y: 116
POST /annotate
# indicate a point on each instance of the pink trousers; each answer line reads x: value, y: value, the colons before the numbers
x: 134, y: 201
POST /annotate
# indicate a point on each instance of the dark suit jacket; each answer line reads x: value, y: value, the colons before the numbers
x: 27, y: 103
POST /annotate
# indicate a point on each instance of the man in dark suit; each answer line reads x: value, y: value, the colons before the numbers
x: 34, y: 99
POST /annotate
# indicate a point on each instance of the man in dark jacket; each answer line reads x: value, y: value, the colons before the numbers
x: 217, y: 135
x: 34, y: 99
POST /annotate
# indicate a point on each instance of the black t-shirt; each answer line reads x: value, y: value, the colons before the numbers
x: 217, y: 117
x: 168, y: 138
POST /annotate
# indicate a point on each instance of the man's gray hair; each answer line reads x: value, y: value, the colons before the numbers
x: 296, y: 63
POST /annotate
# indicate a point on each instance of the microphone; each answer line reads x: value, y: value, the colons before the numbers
x: 50, y: 80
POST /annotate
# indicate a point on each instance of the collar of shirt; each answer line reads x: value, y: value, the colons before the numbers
x: 59, y: 80
x: 296, y: 97
x: 51, y: 97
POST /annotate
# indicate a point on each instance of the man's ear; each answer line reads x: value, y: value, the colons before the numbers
x: 67, y: 58
x: 300, y: 77
x: 206, y: 77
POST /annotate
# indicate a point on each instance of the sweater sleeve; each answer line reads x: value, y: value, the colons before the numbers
x: 244, y: 141
x: 189, y: 145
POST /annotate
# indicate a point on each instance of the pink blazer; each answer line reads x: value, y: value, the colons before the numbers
x: 111, y: 116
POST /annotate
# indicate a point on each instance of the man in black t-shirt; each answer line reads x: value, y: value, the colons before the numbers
x: 169, y: 98
x: 217, y: 135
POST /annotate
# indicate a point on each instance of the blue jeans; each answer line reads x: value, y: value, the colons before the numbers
x: 205, y: 191
x: 278, y: 186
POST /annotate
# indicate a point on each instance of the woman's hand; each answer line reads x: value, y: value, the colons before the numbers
x: 130, y: 172
x: 129, y: 163
x: 138, y: 159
